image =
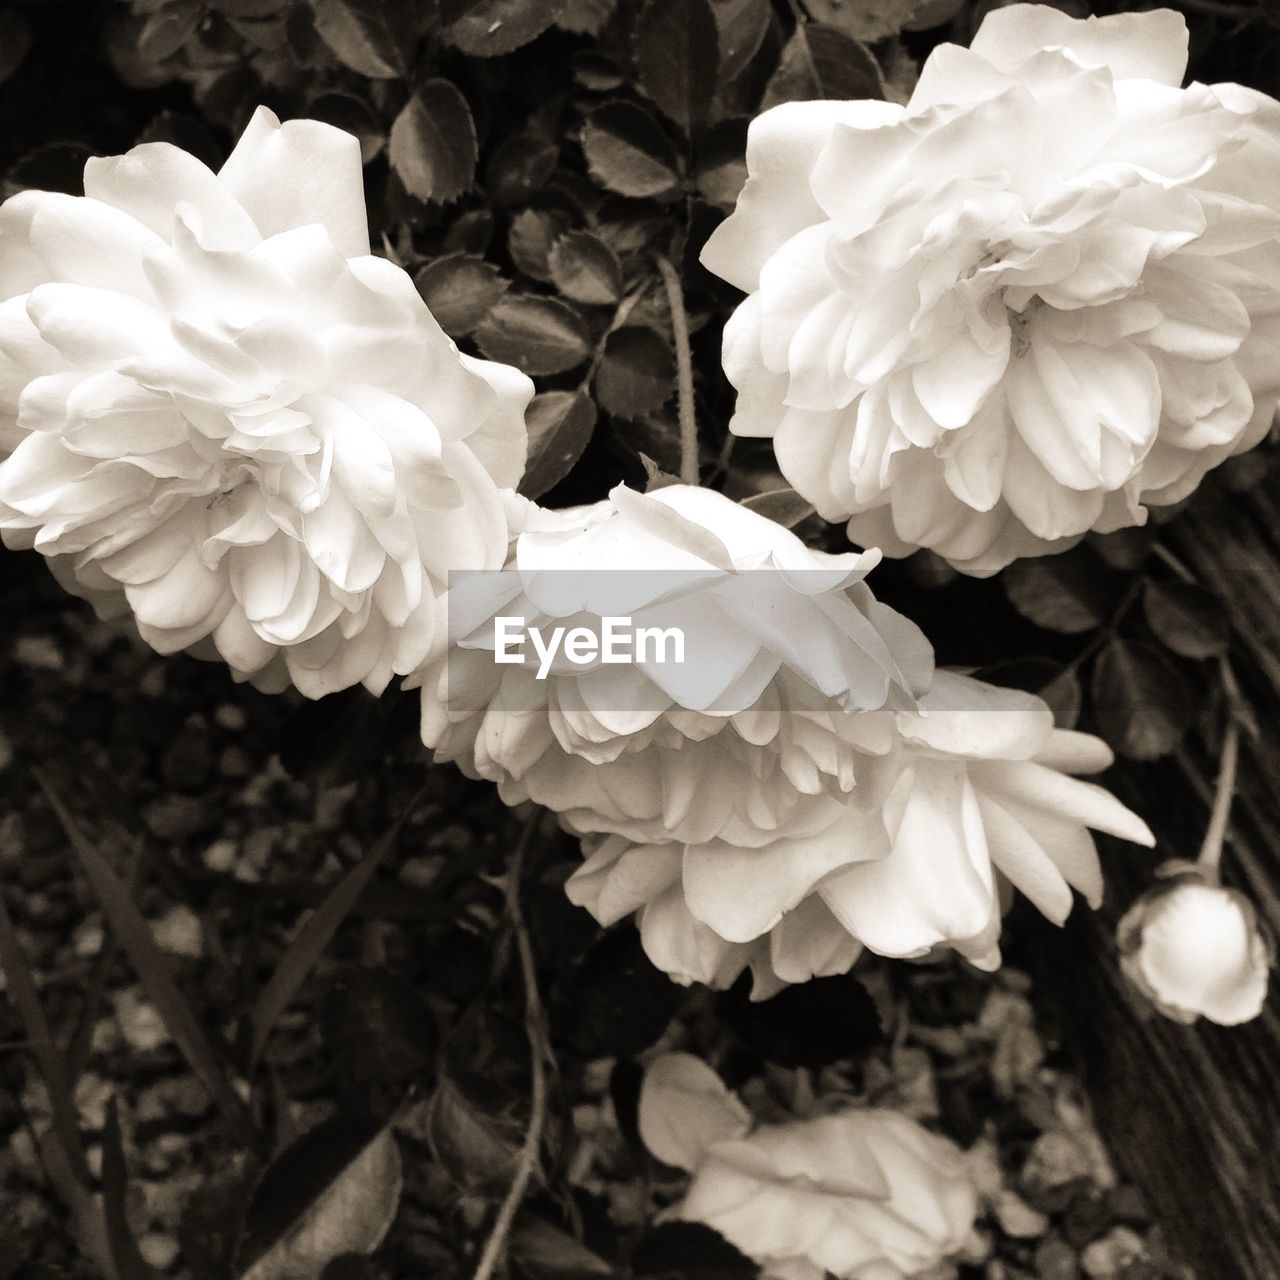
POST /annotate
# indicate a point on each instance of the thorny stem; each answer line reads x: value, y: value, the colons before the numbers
x: 535, y: 1030
x: 1215, y: 833
x: 684, y: 372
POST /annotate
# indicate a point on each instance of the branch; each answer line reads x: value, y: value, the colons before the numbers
x: 536, y: 1031
x: 684, y: 372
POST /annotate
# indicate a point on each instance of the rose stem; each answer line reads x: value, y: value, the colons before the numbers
x: 684, y: 373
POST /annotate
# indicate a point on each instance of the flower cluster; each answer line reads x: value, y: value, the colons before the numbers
x: 230, y: 419
x: 1043, y: 294
x: 858, y: 1194
x: 1038, y: 299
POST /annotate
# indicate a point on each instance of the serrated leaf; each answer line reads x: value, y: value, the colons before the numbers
x: 460, y: 289
x: 628, y: 152
x: 784, y: 506
x: 743, y: 25
x: 537, y: 335
x: 722, y: 163
x: 335, y: 1191
x: 1140, y: 700
x: 637, y: 372
x: 1064, y: 593
x: 372, y: 37
x: 1065, y: 697
x: 1186, y: 618
x: 560, y: 424
x: 866, y: 19
x: 518, y: 168
x: 586, y: 17
x: 585, y: 269
x: 433, y: 143
x: 533, y: 232
x: 487, y: 28
x: 675, y: 45
x: 823, y: 62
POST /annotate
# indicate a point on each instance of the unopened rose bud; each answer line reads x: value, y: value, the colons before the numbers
x: 1195, y: 949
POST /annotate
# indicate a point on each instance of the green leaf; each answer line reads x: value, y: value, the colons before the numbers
x: 586, y: 17
x: 135, y: 936
x: 866, y: 19
x: 637, y: 373
x: 545, y: 1252
x: 1071, y: 593
x: 628, y: 152
x: 310, y: 941
x: 460, y: 289
x: 433, y: 143
x: 743, y: 25
x: 1140, y: 700
x: 585, y: 269
x: 823, y: 62
x: 487, y: 28
x: 519, y: 168
x: 532, y: 234
x: 164, y: 32
x: 537, y: 335
x: 474, y: 1132
x: 373, y: 37
x: 560, y: 425
x: 129, y: 1263
x: 784, y: 506
x: 335, y: 1191
x: 676, y: 45
x: 1187, y: 618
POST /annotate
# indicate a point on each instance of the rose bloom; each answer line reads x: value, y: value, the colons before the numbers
x: 1195, y: 949
x: 1038, y: 299
x: 782, y: 642
x: 226, y: 416
x: 975, y: 799
x: 860, y: 1194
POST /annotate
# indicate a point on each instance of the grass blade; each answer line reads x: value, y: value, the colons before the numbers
x: 129, y: 1263
x: 53, y: 1069
x: 135, y: 936
x: 310, y: 941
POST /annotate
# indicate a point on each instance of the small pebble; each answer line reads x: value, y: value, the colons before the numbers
x: 1110, y: 1256
x: 139, y: 1023
x: 178, y: 931
x: 159, y: 1251
x: 221, y: 855
x: 230, y: 717
x: 40, y: 653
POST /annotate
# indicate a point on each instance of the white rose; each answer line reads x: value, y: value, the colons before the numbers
x: 229, y: 418
x: 1195, y: 949
x: 861, y: 1194
x: 976, y: 796
x: 791, y: 640
x: 1036, y: 300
